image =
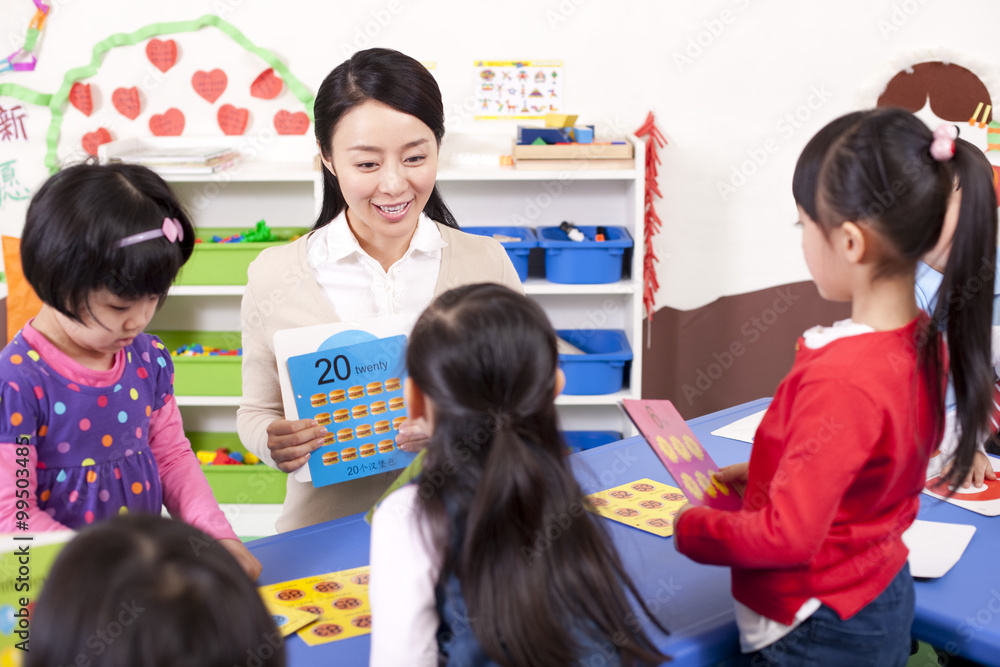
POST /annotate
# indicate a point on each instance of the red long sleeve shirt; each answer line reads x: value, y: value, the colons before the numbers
x: 837, y: 466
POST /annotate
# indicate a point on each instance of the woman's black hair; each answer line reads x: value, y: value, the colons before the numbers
x: 69, y: 246
x: 875, y: 168
x: 146, y: 590
x: 486, y: 358
x: 389, y: 77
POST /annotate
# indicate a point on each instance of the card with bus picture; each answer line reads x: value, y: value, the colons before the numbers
x: 677, y: 447
x: 339, y: 600
x: 644, y: 504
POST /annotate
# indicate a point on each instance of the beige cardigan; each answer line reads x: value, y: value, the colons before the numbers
x: 282, y: 293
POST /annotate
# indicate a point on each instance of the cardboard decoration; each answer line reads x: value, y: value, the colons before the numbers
x: 267, y: 85
x: 682, y: 455
x: 232, y: 120
x: 168, y: 124
x: 22, y: 302
x: 162, y: 53
x: 80, y: 97
x: 210, y: 85
x: 952, y: 90
x: 126, y: 101
x: 286, y: 122
x: 92, y: 140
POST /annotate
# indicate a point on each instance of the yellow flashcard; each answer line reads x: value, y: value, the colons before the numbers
x: 643, y: 504
x: 289, y: 619
x: 339, y: 598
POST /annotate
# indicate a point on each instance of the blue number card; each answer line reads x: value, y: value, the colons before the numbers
x: 356, y: 392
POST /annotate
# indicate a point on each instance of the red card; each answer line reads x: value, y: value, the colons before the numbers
x: 232, y: 120
x: 286, y: 122
x: 126, y: 100
x: 688, y: 462
x: 168, y: 124
x: 210, y: 85
x: 79, y: 96
x: 162, y: 54
x: 267, y: 86
x: 92, y: 140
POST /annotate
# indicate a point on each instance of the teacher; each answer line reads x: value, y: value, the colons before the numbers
x: 385, y: 243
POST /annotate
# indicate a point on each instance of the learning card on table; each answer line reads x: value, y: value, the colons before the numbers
x: 983, y: 500
x: 340, y: 599
x: 681, y: 453
x: 353, y: 386
x: 289, y: 619
x: 644, y: 504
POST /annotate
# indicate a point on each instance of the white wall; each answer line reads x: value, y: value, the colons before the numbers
x: 758, y: 64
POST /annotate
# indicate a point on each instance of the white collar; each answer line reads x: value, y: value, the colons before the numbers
x: 341, y: 242
x: 819, y: 336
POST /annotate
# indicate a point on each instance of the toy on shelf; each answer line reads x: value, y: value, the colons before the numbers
x: 199, y: 350
x: 561, y: 139
x: 260, y: 233
x: 224, y: 457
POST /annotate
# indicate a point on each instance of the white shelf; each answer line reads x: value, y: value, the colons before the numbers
x: 585, y: 172
x: 600, y: 399
x: 540, y: 286
x: 207, y: 290
x: 251, y: 171
x: 209, y: 401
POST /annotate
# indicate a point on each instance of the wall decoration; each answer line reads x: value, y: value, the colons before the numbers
x: 210, y: 85
x: 266, y: 86
x: 163, y: 54
x: 24, y: 59
x: 92, y: 140
x: 232, y: 121
x: 651, y: 220
x: 12, y: 123
x: 286, y: 122
x: 10, y: 187
x: 126, y: 101
x: 168, y: 124
x: 518, y: 89
x: 80, y: 97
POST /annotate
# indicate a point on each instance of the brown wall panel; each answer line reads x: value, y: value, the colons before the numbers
x: 732, y: 350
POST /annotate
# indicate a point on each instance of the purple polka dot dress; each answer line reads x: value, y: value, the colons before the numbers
x: 92, y: 442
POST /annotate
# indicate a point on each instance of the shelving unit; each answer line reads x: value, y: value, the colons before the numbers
x: 276, y: 184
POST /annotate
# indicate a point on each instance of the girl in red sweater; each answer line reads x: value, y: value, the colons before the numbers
x: 839, y: 460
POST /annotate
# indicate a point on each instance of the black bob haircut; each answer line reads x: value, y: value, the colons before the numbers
x: 69, y: 246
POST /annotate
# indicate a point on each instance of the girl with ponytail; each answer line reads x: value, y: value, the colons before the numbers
x: 456, y: 576
x: 820, y: 571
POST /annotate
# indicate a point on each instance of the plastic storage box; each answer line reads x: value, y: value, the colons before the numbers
x: 517, y: 250
x: 602, y: 370
x: 587, y: 262
x: 257, y: 483
x: 578, y: 441
x: 226, y: 263
x: 205, y: 375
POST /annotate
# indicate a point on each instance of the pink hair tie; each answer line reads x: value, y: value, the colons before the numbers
x: 943, y: 145
x: 171, y: 229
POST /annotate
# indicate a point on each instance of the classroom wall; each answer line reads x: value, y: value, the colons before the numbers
x: 737, y: 86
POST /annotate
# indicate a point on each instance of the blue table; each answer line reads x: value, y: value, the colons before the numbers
x: 693, y: 601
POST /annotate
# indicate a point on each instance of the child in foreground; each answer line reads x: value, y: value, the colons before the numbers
x: 89, y: 428
x: 820, y: 571
x: 451, y: 581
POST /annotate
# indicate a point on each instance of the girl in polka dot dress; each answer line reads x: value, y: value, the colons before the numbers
x: 89, y: 427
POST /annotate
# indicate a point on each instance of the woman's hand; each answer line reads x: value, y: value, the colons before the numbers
x: 248, y: 562
x: 413, y: 434
x: 734, y: 476
x: 291, y: 442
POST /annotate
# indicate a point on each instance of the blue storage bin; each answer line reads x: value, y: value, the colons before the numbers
x: 517, y: 250
x: 602, y: 369
x: 578, y: 441
x: 587, y: 262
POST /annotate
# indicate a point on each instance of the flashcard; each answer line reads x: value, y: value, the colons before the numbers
x: 289, y: 619
x: 681, y: 453
x: 348, y: 376
x: 742, y: 429
x: 644, y: 504
x: 339, y: 598
x: 983, y: 500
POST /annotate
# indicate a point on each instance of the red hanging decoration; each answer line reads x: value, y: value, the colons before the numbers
x: 651, y: 221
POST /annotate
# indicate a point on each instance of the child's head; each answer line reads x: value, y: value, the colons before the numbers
x: 483, y: 368
x: 383, y: 77
x: 145, y: 590
x: 72, y: 243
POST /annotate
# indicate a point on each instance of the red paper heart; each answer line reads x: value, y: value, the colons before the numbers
x: 286, y: 122
x: 126, y: 100
x: 162, y: 54
x: 79, y: 96
x: 266, y: 86
x: 209, y: 84
x: 168, y: 124
x: 232, y: 120
x: 92, y: 140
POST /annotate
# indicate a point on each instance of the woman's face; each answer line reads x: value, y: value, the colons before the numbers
x: 386, y: 164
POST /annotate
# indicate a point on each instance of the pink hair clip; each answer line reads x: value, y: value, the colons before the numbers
x: 171, y: 230
x: 943, y: 145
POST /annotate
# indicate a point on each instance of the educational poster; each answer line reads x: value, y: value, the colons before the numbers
x: 514, y: 90
x: 339, y: 598
x: 348, y: 376
x: 983, y: 500
x: 644, y: 504
x: 681, y: 453
x: 356, y: 392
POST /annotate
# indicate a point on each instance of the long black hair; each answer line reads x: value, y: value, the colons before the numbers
x: 486, y: 358
x: 875, y: 167
x: 69, y: 246
x: 146, y: 590
x: 389, y: 77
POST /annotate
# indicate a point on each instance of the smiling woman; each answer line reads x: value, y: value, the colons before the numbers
x: 384, y: 243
